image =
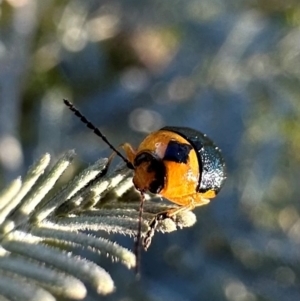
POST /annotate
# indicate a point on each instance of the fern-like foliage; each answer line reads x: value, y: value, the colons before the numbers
x: 38, y: 232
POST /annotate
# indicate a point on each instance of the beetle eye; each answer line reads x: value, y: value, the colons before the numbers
x: 156, y: 186
x: 155, y: 167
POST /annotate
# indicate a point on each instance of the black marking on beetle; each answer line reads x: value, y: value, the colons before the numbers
x: 211, y: 162
x: 177, y: 152
x: 156, y: 165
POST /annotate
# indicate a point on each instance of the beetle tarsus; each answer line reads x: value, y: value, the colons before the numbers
x: 153, y: 226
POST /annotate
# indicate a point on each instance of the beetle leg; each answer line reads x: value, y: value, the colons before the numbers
x: 153, y: 225
x: 129, y: 151
x: 194, y: 201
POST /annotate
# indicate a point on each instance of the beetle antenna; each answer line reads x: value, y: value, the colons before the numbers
x: 137, y: 248
x: 96, y: 131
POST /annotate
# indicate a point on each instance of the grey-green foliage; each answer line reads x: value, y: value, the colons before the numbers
x: 38, y: 231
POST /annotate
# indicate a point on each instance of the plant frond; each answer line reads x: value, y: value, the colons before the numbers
x: 39, y: 234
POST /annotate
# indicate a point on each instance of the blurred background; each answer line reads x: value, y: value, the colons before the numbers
x: 226, y: 67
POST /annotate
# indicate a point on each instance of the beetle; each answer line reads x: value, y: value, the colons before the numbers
x: 180, y: 164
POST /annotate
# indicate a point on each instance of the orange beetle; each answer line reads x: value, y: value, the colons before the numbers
x: 181, y: 164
